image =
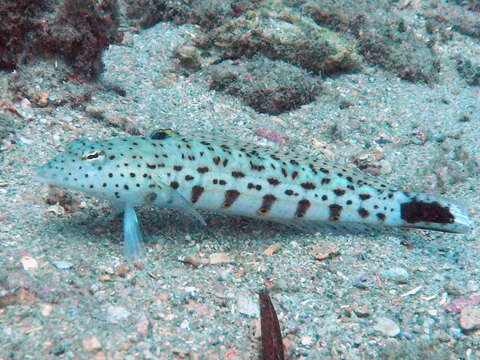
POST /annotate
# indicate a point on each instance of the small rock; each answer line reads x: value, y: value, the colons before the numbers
x: 397, y: 274
x: 219, y: 258
x: 247, y: 305
x: 185, y: 324
x: 46, y: 309
x: 306, y: 340
x: 387, y: 327
x: 454, y: 288
x: 116, y: 314
x: 122, y: 270
x: 188, y: 56
x: 456, y: 333
x: 193, y: 260
x: 95, y: 112
x: 361, y: 311
x: 92, y: 344
x: 42, y: 99
x: 62, y: 265
x: 325, y: 251
x: 25, y: 109
x: 272, y: 248
x: 472, y: 286
x: 143, y: 326
x: 29, y: 263
x: 470, y: 318
x: 18, y: 297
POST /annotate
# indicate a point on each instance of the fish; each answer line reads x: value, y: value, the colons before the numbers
x: 202, y: 172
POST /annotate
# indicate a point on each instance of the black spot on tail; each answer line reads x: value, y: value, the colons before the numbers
x: 416, y: 211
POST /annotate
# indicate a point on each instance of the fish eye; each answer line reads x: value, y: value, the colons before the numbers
x: 93, y: 156
x: 162, y: 134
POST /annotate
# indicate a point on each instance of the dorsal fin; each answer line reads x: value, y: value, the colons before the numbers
x: 348, y: 169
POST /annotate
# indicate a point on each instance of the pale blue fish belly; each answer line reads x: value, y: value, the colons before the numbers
x: 168, y: 169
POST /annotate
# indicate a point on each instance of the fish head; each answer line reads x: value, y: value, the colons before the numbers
x: 82, y: 166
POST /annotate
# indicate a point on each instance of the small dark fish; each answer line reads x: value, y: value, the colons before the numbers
x: 272, y: 345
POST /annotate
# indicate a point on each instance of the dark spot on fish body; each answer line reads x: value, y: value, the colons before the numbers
x: 216, y: 160
x: 302, y: 207
x: 339, y: 192
x: 267, y: 202
x: 197, y: 191
x: 381, y: 216
x: 257, y: 167
x: 230, y: 197
x: 325, y: 181
x: 364, y: 196
x: 364, y: 213
x: 273, y: 181
x: 335, y: 212
x: 177, y: 167
x: 189, y: 177
x: 238, y: 174
x: 294, y: 175
x: 174, y: 185
x: 202, y: 169
x: 308, y: 185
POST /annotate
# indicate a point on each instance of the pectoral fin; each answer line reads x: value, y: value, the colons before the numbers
x: 164, y: 195
x: 132, y: 235
x: 180, y: 203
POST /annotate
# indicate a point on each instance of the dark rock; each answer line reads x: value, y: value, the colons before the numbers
x: 267, y: 86
x: 206, y: 13
x: 76, y: 30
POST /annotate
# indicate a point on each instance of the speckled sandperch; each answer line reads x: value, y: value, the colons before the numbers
x: 168, y: 169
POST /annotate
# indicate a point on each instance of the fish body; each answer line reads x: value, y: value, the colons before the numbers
x: 168, y: 169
